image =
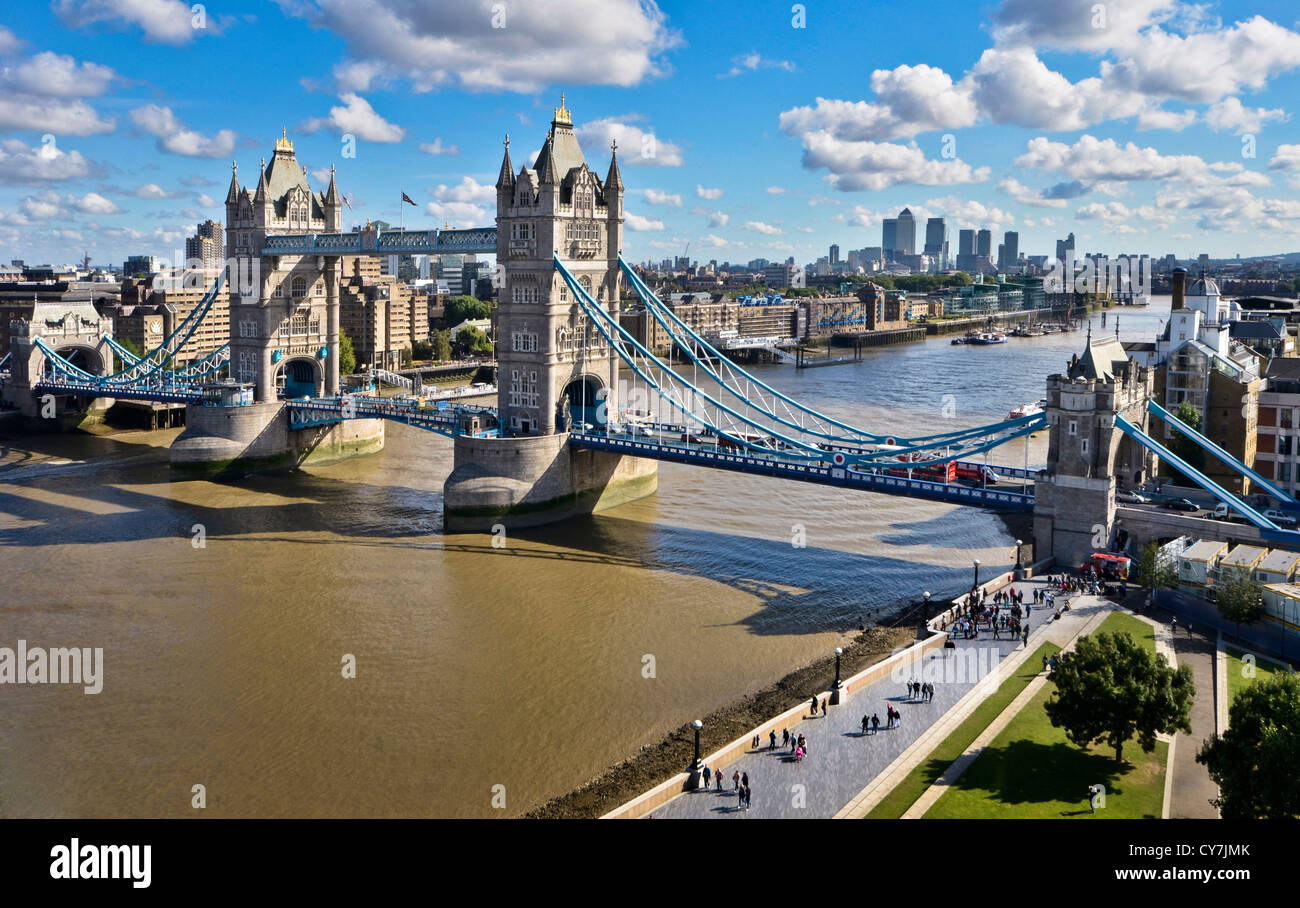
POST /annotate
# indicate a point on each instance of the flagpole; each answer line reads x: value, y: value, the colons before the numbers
x: 401, y: 206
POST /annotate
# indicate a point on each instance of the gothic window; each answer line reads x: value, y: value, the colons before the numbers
x: 586, y: 284
x: 247, y: 366
x: 247, y: 329
x: 299, y: 287
x: 298, y: 323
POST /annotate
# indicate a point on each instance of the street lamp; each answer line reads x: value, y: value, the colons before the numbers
x: 1020, y: 571
x: 697, y: 767
x: 835, y: 691
x: 1019, y: 543
x: 976, y: 584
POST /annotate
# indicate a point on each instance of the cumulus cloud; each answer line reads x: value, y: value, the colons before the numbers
x: 1287, y: 157
x: 42, y: 163
x: 94, y: 203
x: 636, y: 222
x: 659, y: 197
x: 152, y: 191
x: 356, y: 117
x: 458, y: 214
x: 175, y: 137
x: 467, y: 190
x: 909, y: 100
x: 437, y: 148
x: 1027, y: 196
x: 707, y: 193
x: 518, y: 47
x: 879, y: 165
x: 763, y: 228
x: 638, y: 146
x: 1231, y: 114
x: 754, y: 61
x: 162, y: 21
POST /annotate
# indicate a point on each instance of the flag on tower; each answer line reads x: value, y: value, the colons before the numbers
x: 347, y: 200
x: 407, y: 198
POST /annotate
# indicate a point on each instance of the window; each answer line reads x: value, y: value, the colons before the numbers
x: 247, y: 329
x: 1284, y: 472
x: 1074, y: 427
x: 298, y: 323
x: 1284, y: 444
x: 1083, y: 446
x: 247, y: 366
x: 523, y: 341
x: 1285, y: 421
x: 299, y: 288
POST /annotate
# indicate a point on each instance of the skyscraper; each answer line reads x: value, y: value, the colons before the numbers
x: 1010, y: 250
x: 966, y: 242
x: 206, y: 248
x: 889, y: 237
x: 984, y: 243
x: 1065, y: 249
x: 906, y: 233
x: 936, y: 241
x: 835, y: 253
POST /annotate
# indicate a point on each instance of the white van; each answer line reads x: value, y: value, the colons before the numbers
x: 1280, y: 518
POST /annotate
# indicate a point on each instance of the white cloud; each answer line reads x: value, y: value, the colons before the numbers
x: 1157, y: 118
x: 966, y: 211
x: 152, y: 191
x: 1287, y: 157
x: 707, y: 193
x: 1092, y: 159
x: 1231, y: 114
x: 761, y: 227
x: 175, y: 137
x: 1074, y: 24
x: 638, y: 146
x: 54, y: 75
x: 713, y: 241
x: 356, y: 117
x: 1026, y: 196
x: 467, y: 190
x: 42, y: 207
x: 909, y: 100
x: 518, y: 47
x: 59, y: 116
x: 659, y: 197
x: 40, y: 163
x: 458, y: 214
x: 776, y: 190
x: 206, y: 201
x: 163, y: 21
x: 715, y: 218
x: 437, y: 148
x: 879, y: 165
x: 94, y: 203
x: 9, y: 42
x: 636, y: 222
x: 754, y: 61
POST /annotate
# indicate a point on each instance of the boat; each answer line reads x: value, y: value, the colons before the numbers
x: 1024, y: 410
x: 958, y: 340
x: 988, y: 337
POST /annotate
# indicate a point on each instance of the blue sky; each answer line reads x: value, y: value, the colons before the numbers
x: 1150, y: 126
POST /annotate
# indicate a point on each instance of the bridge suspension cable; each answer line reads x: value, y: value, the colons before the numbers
x: 735, y: 424
x: 785, y: 410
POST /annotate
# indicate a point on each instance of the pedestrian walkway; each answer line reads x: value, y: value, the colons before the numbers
x: 842, y: 760
x: 1192, y: 788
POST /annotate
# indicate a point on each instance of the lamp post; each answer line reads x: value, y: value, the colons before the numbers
x: 697, y: 766
x: 976, y: 585
x: 835, y: 691
x: 1020, y: 571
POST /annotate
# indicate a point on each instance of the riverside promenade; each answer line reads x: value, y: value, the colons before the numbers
x: 841, y: 760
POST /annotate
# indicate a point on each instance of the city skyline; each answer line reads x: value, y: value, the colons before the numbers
x: 1162, y: 129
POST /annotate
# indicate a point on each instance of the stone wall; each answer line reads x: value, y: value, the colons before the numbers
x: 535, y: 480
x: 223, y: 440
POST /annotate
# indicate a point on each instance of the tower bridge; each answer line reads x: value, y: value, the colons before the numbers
x: 561, y: 440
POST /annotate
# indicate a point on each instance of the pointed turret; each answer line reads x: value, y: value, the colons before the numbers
x: 260, y: 194
x: 545, y: 166
x: 232, y: 197
x: 332, y: 192
x: 613, y: 179
x: 506, y: 178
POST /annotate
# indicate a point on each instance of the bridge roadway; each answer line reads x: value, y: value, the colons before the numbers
x: 384, y: 242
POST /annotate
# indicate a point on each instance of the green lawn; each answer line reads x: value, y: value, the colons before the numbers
x: 938, y: 760
x: 1032, y: 771
x: 1237, y: 679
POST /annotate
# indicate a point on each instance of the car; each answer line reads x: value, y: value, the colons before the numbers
x: 1131, y: 497
x: 1181, y: 504
x: 1281, y: 518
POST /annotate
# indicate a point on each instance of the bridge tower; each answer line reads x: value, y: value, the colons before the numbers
x: 553, y: 364
x: 554, y: 369
x: 74, y: 330
x: 284, y: 310
x: 1088, y: 456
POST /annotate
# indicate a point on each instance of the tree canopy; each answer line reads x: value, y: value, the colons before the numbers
x: 347, y: 356
x: 460, y: 308
x: 1240, y: 597
x: 1112, y: 688
x: 1181, y: 444
x: 1154, y: 569
x: 1254, y: 761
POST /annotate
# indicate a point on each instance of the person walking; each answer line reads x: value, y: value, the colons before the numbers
x: 814, y: 707
x: 866, y: 722
x: 717, y: 777
x: 744, y: 780
x: 771, y: 739
x: 708, y: 777
x: 748, y: 794
x: 785, y: 736
x: 875, y: 723
x: 735, y: 779
x: 823, y: 707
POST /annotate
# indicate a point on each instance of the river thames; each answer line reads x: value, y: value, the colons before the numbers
x: 476, y: 666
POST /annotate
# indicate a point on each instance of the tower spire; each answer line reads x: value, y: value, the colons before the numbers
x: 506, y: 178
x: 613, y: 180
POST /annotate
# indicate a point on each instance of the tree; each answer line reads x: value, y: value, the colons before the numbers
x: 118, y: 363
x: 1240, y: 597
x: 1112, y: 688
x: 1254, y: 761
x: 472, y: 340
x: 347, y: 356
x: 1182, y: 445
x: 441, y: 341
x: 1154, y: 569
x: 460, y: 308
x: 406, y: 356
x: 422, y: 350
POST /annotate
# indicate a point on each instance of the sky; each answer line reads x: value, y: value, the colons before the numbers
x: 745, y: 129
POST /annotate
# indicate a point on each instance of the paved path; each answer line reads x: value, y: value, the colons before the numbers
x: 1192, y: 787
x: 841, y: 760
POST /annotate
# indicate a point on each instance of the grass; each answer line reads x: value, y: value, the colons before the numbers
x: 925, y: 774
x: 1032, y: 771
x: 1237, y: 678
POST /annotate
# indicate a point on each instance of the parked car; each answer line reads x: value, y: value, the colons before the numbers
x: 1131, y: 497
x: 1281, y: 518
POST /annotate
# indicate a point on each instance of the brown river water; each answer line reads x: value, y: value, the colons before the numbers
x: 476, y: 666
